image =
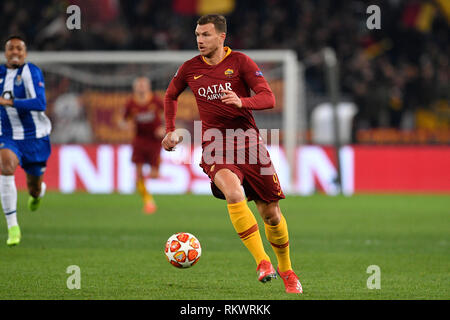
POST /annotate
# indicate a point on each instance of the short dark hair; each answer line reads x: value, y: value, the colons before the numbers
x: 15, y: 36
x: 219, y: 21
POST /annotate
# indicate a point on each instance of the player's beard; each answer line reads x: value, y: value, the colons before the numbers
x: 211, y: 53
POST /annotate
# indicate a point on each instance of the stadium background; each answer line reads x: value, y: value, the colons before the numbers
x: 396, y: 78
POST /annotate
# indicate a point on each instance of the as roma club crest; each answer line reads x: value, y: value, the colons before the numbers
x: 229, y: 72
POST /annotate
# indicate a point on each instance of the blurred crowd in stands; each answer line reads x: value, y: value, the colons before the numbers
x: 398, y: 76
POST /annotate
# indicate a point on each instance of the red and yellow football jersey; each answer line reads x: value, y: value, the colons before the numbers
x: 147, y: 117
x: 236, y: 72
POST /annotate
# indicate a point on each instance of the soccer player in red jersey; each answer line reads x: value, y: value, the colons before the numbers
x: 221, y: 80
x: 145, y: 109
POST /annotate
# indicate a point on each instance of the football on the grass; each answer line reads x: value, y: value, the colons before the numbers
x: 183, y: 250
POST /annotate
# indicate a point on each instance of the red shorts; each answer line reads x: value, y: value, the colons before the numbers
x: 147, y: 151
x: 260, y: 180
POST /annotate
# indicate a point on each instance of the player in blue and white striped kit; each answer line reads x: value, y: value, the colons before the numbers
x: 24, y: 131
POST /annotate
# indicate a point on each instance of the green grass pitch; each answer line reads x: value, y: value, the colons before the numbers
x: 333, y: 241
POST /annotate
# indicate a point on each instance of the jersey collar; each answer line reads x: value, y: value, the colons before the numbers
x: 227, y: 50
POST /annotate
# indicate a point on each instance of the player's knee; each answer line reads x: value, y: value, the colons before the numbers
x: 271, y: 214
x: 272, y: 220
x: 234, y: 195
x: 8, y: 167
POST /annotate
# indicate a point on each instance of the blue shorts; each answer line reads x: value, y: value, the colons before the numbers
x: 32, y: 153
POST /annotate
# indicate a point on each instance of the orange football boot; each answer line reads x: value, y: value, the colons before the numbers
x: 291, y: 281
x: 266, y: 271
x: 150, y: 207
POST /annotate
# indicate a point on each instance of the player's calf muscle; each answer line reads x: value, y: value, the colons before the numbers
x: 34, y: 190
x: 34, y: 185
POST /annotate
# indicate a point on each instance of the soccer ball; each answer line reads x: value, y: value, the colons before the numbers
x: 183, y: 250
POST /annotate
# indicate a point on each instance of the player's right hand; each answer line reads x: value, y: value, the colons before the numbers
x: 170, y: 141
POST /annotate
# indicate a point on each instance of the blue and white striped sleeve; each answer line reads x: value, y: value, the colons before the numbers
x: 35, y: 88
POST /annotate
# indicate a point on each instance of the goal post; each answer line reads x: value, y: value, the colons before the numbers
x: 114, y: 71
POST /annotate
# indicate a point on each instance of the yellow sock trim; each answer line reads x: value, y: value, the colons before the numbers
x: 278, y: 237
x: 246, y: 226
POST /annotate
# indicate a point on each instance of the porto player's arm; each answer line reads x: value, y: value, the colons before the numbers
x: 36, y: 88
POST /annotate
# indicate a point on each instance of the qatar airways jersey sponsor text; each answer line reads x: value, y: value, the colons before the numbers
x: 214, y: 92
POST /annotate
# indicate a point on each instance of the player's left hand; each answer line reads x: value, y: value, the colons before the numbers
x: 231, y: 97
x: 5, y: 102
